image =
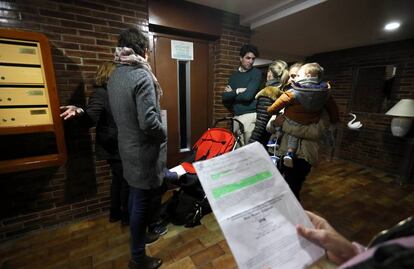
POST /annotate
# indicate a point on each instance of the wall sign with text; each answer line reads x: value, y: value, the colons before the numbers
x: 182, y: 50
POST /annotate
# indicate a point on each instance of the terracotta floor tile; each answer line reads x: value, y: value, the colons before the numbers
x: 184, y: 263
x: 82, y: 263
x: 163, y: 244
x: 358, y: 201
x: 224, y: 246
x: 89, y: 250
x: 211, y: 238
x: 121, y: 262
x: 226, y: 261
x: 207, y: 255
x: 187, y: 249
x: 105, y: 265
x: 110, y: 254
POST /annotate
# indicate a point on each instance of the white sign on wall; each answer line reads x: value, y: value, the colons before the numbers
x: 182, y: 50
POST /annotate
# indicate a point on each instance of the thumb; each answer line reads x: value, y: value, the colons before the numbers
x: 308, y: 233
x: 301, y: 230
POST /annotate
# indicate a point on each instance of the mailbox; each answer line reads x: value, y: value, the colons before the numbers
x: 31, y: 131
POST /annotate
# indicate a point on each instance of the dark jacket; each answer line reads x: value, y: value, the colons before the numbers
x: 265, y: 98
x: 98, y: 113
x: 391, y: 249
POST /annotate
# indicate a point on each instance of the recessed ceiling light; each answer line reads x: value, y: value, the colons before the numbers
x: 392, y: 26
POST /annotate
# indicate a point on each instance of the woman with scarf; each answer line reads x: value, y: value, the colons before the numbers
x: 134, y: 96
x: 277, y: 78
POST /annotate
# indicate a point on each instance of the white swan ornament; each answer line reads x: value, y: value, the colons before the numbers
x: 352, y: 124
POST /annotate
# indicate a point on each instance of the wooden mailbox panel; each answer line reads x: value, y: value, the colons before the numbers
x: 31, y: 131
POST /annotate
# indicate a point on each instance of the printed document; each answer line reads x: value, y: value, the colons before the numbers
x: 256, y: 210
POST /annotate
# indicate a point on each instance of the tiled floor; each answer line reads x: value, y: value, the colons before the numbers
x: 358, y: 201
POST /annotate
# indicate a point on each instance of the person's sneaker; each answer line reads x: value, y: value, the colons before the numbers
x: 288, y: 159
x: 272, y: 142
x: 145, y: 262
x: 151, y: 237
x: 159, y: 229
x: 274, y: 159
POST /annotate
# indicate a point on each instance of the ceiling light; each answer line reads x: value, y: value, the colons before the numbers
x: 392, y: 26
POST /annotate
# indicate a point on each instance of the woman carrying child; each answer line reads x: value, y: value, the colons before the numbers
x: 277, y: 78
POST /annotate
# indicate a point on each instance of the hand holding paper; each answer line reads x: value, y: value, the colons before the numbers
x: 179, y: 170
x: 256, y: 210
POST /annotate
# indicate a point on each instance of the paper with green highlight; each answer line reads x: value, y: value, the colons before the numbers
x: 256, y: 210
x: 243, y: 183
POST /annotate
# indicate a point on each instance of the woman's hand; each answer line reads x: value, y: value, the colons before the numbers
x: 70, y: 112
x: 338, y: 248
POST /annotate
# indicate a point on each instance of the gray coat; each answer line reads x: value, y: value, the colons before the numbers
x: 141, y: 135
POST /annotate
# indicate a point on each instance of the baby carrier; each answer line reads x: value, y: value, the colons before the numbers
x: 189, y: 203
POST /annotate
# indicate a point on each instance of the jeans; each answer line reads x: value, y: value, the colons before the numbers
x: 141, y: 205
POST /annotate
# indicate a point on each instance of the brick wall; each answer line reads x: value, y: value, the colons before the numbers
x: 82, y: 35
x: 374, y: 144
x: 227, y: 58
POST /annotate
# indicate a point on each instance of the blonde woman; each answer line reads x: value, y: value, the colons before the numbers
x: 277, y: 78
x: 98, y: 113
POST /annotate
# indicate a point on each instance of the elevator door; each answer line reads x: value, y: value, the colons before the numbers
x: 185, y: 94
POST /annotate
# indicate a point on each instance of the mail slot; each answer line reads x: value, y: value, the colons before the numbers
x: 22, y: 117
x: 20, y: 75
x: 18, y: 53
x: 23, y: 96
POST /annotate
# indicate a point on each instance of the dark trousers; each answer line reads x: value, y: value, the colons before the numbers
x: 119, y: 189
x: 142, y: 203
x: 296, y: 176
x: 155, y: 206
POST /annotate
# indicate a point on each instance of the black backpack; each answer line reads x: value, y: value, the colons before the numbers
x: 184, y: 209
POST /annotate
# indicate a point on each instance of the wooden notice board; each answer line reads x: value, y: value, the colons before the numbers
x: 31, y: 131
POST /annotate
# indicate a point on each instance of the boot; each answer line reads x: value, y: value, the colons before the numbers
x: 151, y: 237
x: 125, y: 218
x: 145, y: 262
x: 114, y: 215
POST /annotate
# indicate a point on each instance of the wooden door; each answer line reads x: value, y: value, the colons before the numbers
x: 185, y: 94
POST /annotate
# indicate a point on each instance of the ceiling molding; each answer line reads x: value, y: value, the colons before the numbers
x: 295, y: 29
x: 278, y: 11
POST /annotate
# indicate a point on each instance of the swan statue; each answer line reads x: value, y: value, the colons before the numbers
x: 352, y: 124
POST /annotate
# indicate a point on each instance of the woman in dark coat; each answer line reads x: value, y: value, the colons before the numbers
x: 277, y: 78
x: 98, y: 113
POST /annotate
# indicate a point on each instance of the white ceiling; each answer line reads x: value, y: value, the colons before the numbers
x: 295, y: 29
